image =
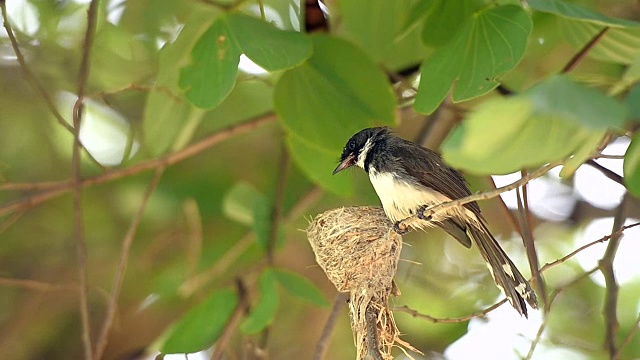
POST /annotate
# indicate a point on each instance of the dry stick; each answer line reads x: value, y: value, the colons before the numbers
x: 34, y: 285
x: 238, y: 314
x: 575, y: 60
x: 167, y: 160
x: 435, y: 320
x: 430, y: 211
x: 323, y: 342
x: 81, y: 245
x: 606, y: 172
x: 529, y: 243
x: 627, y: 339
x: 610, y: 307
x: 122, y: 266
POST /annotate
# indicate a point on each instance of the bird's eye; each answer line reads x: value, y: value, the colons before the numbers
x: 352, y: 145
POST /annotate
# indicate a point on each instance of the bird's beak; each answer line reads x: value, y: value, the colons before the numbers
x: 347, y: 162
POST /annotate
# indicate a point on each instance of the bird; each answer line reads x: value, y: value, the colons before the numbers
x: 408, y: 178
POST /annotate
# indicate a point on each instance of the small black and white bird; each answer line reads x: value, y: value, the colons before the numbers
x: 408, y: 178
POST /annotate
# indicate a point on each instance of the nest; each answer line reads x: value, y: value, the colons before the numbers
x: 359, y: 251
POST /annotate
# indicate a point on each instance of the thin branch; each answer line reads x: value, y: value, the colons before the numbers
x: 35, y: 285
x: 606, y: 172
x: 577, y: 58
x: 435, y: 320
x: 81, y: 246
x: 276, y: 212
x: 234, y: 321
x: 45, y: 185
x: 584, y: 247
x: 323, y: 342
x: 11, y: 220
x: 610, y: 307
x: 122, y: 266
x: 167, y: 160
x: 529, y: 242
x: 405, y: 223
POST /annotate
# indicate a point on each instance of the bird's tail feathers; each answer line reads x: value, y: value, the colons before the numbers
x: 505, y: 274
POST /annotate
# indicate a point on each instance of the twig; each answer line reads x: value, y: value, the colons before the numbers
x: 606, y: 172
x: 45, y: 185
x: 610, y: 307
x: 373, y: 340
x: 405, y: 223
x: 276, y: 211
x: 234, y: 321
x: 575, y: 60
x: 81, y: 245
x: 323, y: 342
x: 194, y: 235
x: 167, y: 160
x: 627, y: 339
x: 435, y: 320
x: 35, y: 285
x: 529, y: 242
x: 584, y: 247
x: 122, y: 266
x: 11, y: 220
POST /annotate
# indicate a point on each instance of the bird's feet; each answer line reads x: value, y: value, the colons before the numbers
x: 421, y: 215
x: 400, y: 228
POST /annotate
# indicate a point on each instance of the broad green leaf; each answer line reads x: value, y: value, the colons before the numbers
x: 445, y: 18
x: 632, y: 100
x: 541, y: 125
x: 266, y: 45
x: 165, y: 111
x: 211, y: 75
x: 263, y: 313
x: 377, y: 33
x: 301, y: 287
x: 417, y: 13
x: 631, y: 168
x: 246, y: 205
x: 329, y: 98
x: 587, y: 106
x: 583, y: 153
x: 619, y: 45
x: 488, y: 45
x: 201, y: 326
x: 573, y: 11
x: 318, y: 163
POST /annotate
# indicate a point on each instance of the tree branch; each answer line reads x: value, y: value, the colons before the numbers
x: 234, y: 321
x: 577, y: 58
x: 606, y: 172
x: 116, y: 174
x: 610, y: 308
x: 323, y: 342
x: 122, y: 266
x: 276, y: 212
x: 435, y: 320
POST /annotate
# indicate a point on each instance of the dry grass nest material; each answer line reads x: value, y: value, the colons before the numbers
x: 359, y: 251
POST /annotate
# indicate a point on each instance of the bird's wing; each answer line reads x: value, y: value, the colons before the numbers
x: 431, y: 171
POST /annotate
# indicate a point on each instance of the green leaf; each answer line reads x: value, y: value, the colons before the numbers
x: 583, y: 153
x: 574, y: 11
x: 165, y: 111
x: 377, y: 32
x: 329, y: 98
x: 631, y: 168
x: 263, y: 313
x: 488, y: 45
x: 632, y: 100
x: 211, y: 75
x: 587, y: 106
x: 541, y: 125
x: 318, y: 164
x: 444, y: 20
x: 266, y: 45
x: 301, y: 287
x: 246, y: 205
x: 619, y: 45
x: 201, y: 326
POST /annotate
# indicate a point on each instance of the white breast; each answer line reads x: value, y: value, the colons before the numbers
x: 401, y: 199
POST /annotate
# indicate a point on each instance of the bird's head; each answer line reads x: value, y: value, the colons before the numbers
x: 357, y: 148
